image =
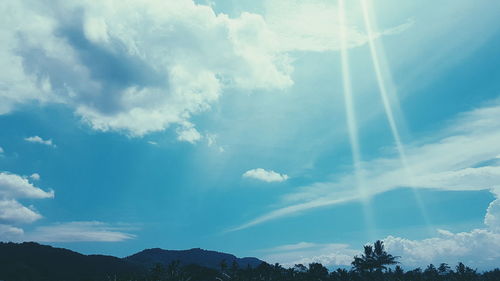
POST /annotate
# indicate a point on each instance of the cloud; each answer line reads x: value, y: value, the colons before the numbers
x: 479, y: 248
x: 79, y: 231
x: 125, y: 66
x: 453, y: 160
x: 141, y: 67
x: 12, y: 211
x: 14, y: 187
x: 37, y: 139
x: 188, y: 133
x: 35, y: 176
x: 10, y: 233
x: 328, y: 254
x: 152, y: 143
x: 265, y: 175
x: 1, y: 150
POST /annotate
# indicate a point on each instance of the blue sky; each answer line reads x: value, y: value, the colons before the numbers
x: 227, y: 125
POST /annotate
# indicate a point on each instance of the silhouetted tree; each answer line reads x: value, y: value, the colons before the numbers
x: 374, y: 258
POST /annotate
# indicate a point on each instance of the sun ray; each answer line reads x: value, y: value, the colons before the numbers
x: 352, y: 124
x: 388, y: 107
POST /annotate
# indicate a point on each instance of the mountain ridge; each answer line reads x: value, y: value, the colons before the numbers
x: 34, y: 261
x: 198, y: 256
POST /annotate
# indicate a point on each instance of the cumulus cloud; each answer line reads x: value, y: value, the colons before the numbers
x: 139, y: 67
x: 133, y: 67
x: 265, y: 175
x: 12, y: 188
x: 479, y: 248
x: 37, y: 139
x: 460, y: 158
x: 1, y: 150
x: 329, y: 254
x: 12, y: 213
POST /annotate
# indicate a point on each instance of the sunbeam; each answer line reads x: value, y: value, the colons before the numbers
x: 352, y: 123
x: 384, y: 94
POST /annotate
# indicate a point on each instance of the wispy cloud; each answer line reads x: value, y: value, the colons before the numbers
x: 451, y: 161
x: 265, y: 175
x: 37, y: 139
x: 76, y: 231
x: 79, y: 231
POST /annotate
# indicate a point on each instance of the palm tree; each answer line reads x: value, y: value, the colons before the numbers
x: 374, y: 258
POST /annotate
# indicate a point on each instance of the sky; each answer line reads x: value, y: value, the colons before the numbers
x: 292, y: 131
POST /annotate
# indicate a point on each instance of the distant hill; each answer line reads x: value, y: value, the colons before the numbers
x: 32, y: 261
x: 210, y: 259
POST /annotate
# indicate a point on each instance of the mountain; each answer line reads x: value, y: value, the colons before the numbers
x: 210, y: 259
x: 32, y: 261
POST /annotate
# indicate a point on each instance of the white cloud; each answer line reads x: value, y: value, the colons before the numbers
x: 188, y: 133
x: 12, y: 211
x: 212, y: 142
x: 152, y: 143
x: 139, y: 67
x: 452, y: 161
x: 37, y: 139
x: 306, y: 253
x: 133, y: 67
x: 265, y: 175
x: 79, y: 231
x: 35, y: 176
x: 1, y: 150
x: 14, y: 186
x: 10, y: 233
x: 479, y: 248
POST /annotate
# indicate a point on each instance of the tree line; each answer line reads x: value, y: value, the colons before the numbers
x: 374, y: 264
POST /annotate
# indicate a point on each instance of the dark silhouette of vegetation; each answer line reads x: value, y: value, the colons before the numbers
x: 373, y: 259
x: 31, y: 261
